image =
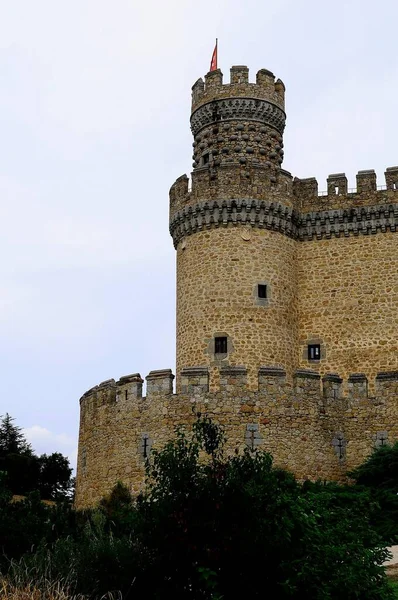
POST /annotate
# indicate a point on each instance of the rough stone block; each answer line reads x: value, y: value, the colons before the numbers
x: 307, y: 381
x: 270, y: 379
x: 391, y: 175
x: 332, y: 386
x: 337, y: 184
x: 233, y: 377
x: 194, y: 380
x: 387, y: 384
x: 357, y: 386
x: 130, y: 386
x: 159, y: 382
x: 239, y: 74
x: 366, y: 181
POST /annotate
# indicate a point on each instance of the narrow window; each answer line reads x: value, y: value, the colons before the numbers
x: 205, y: 158
x: 220, y: 345
x: 262, y: 290
x: 145, y: 445
x: 314, y: 352
x: 336, y: 189
x: 395, y: 186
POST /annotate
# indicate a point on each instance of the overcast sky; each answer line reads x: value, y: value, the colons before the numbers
x: 94, y: 128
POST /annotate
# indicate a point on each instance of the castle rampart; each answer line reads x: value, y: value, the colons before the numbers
x: 306, y: 421
x: 287, y: 306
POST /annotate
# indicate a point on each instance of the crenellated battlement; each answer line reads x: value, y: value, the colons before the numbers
x: 339, y: 195
x: 291, y: 346
x: 213, y: 88
x: 319, y: 426
x: 233, y: 380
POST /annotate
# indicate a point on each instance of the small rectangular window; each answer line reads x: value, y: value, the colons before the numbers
x: 262, y: 290
x: 205, y: 159
x: 314, y: 352
x: 220, y: 345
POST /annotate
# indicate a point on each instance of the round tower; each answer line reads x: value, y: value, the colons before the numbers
x: 234, y: 231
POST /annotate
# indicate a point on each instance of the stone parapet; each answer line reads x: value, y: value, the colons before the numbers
x: 130, y: 386
x: 357, y: 386
x: 339, y: 196
x: 159, y: 382
x: 232, y: 378
x: 213, y: 87
x: 332, y: 386
x: 194, y: 380
x: 307, y: 381
x: 291, y: 419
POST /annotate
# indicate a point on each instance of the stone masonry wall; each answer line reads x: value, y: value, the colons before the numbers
x: 348, y: 302
x: 329, y: 262
x: 307, y: 424
x: 218, y: 272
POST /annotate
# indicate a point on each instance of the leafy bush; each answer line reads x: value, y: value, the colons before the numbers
x: 209, y: 527
x: 379, y: 475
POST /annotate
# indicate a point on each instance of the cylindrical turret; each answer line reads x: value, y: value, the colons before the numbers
x: 235, y: 231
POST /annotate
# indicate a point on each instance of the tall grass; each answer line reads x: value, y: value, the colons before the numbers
x: 43, y: 590
x: 26, y: 583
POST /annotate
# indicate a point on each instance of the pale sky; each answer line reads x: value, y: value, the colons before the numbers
x: 94, y: 122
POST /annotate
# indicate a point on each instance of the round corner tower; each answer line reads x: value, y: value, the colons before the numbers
x: 234, y: 231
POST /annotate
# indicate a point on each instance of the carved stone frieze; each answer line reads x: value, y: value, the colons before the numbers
x: 246, y: 109
x: 257, y: 213
x: 278, y: 217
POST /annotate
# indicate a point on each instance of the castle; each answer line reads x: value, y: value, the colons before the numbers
x: 287, y: 306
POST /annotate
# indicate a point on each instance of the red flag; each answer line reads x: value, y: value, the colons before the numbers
x: 213, y: 64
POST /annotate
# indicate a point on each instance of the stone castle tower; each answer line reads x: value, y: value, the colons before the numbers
x: 287, y: 306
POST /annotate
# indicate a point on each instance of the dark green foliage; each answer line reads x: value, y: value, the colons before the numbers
x: 22, y: 472
x: 54, y: 480
x: 380, y: 469
x: 379, y: 475
x: 220, y: 528
x: 229, y: 526
x: 12, y: 440
x: 26, y: 472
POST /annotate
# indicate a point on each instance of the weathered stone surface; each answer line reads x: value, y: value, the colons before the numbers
x: 329, y: 262
x: 305, y: 431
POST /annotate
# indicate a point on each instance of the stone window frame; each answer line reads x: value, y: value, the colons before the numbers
x: 211, y: 350
x: 313, y: 341
x: 314, y: 349
x: 262, y: 301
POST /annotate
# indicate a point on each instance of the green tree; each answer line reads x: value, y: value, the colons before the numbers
x: 226, y: 527
x: 210, y: 526
x: 54, y: 481
x: 25, y: 472
x: 12, y: 440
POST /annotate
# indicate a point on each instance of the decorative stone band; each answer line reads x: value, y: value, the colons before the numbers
x: 257, y: 213
x: 366, y: 220
x: 238, y: 109
x: 345, y: 222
